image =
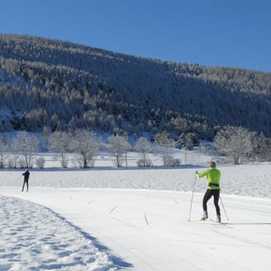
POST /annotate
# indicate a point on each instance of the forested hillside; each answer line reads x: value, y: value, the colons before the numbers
x: 61, y: 86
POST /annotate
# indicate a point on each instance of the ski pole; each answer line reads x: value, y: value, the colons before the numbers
x: 224, y: 209
x: 192, y: 198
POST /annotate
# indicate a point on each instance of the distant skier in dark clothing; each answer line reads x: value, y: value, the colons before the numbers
x: 26, y: 175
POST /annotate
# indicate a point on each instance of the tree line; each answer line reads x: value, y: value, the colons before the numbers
x: 80, y: 148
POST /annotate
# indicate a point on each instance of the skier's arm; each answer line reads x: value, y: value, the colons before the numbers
x: 203, y: 174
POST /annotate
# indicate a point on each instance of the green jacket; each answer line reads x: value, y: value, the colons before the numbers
x: 213, y: 176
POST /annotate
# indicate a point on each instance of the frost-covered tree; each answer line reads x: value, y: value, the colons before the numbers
x: 60, y: 142
x: 164, y: 140
x: 86, y: 145
x: 118, y: 146
x: 26, y: 145
x: 144, y: 147
x: 261, y: 147
x: 189, y: 140
x: 40, y: 162
x: 13, y: 161
x: 165, y: 143
x: 4, y: 148
x: 235, y: 142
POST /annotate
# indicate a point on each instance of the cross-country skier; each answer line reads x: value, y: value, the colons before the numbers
x: 213, y: 176
x: 26, y: 175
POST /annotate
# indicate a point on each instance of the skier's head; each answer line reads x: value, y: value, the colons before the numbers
x: 212, y: 164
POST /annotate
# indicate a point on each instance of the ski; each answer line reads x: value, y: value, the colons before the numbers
x: 209, y: 222
x: 218, y: 223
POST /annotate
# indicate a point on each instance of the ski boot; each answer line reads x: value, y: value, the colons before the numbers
x: 218, y: 219
x: 205, y: 216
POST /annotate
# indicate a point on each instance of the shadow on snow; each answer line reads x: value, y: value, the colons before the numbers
x: 117, y: 261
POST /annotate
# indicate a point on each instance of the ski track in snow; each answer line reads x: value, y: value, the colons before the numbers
x: 151, y: 231
x: 34, y: 238
x: 148, y: 228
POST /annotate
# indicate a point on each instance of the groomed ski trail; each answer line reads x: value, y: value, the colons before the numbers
x: 168, y: 242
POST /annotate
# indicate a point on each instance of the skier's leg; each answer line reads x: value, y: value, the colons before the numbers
x: 216, y: 200
x: 206, y: 197
x: 27, y: 186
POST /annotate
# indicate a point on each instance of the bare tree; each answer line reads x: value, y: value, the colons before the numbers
x: 235, y: 142
x: 86, y: 145
x: 261, y: 147
x: 144, y: 147
x: 4, y: 148
x: 13, y: 161
x: 40, y: 162
x: 26, y: 145
x: 118, y: 146
x: 164, y: 145
x: 60, y: 142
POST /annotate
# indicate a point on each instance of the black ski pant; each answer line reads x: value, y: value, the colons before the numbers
x: 25, y: 183
x: 209, y: 193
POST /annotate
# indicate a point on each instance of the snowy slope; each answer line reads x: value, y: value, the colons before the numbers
x: 35, y: 238
x: 149, y: 229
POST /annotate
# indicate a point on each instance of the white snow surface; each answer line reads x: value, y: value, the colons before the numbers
x: 246, y: 180
x: 145, y: 229
x: 150, y: 229
x: 35, y: 238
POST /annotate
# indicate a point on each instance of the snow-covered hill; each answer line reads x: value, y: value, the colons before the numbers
x: 61, y: 85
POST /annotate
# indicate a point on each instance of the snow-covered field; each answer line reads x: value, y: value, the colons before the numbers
x: 247, y: 180
x: 137, y: 225
x: 149, y: 229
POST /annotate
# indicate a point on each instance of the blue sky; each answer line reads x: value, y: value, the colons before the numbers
x: 233, y: 33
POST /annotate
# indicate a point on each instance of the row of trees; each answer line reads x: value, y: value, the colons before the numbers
x: 83, y: 146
